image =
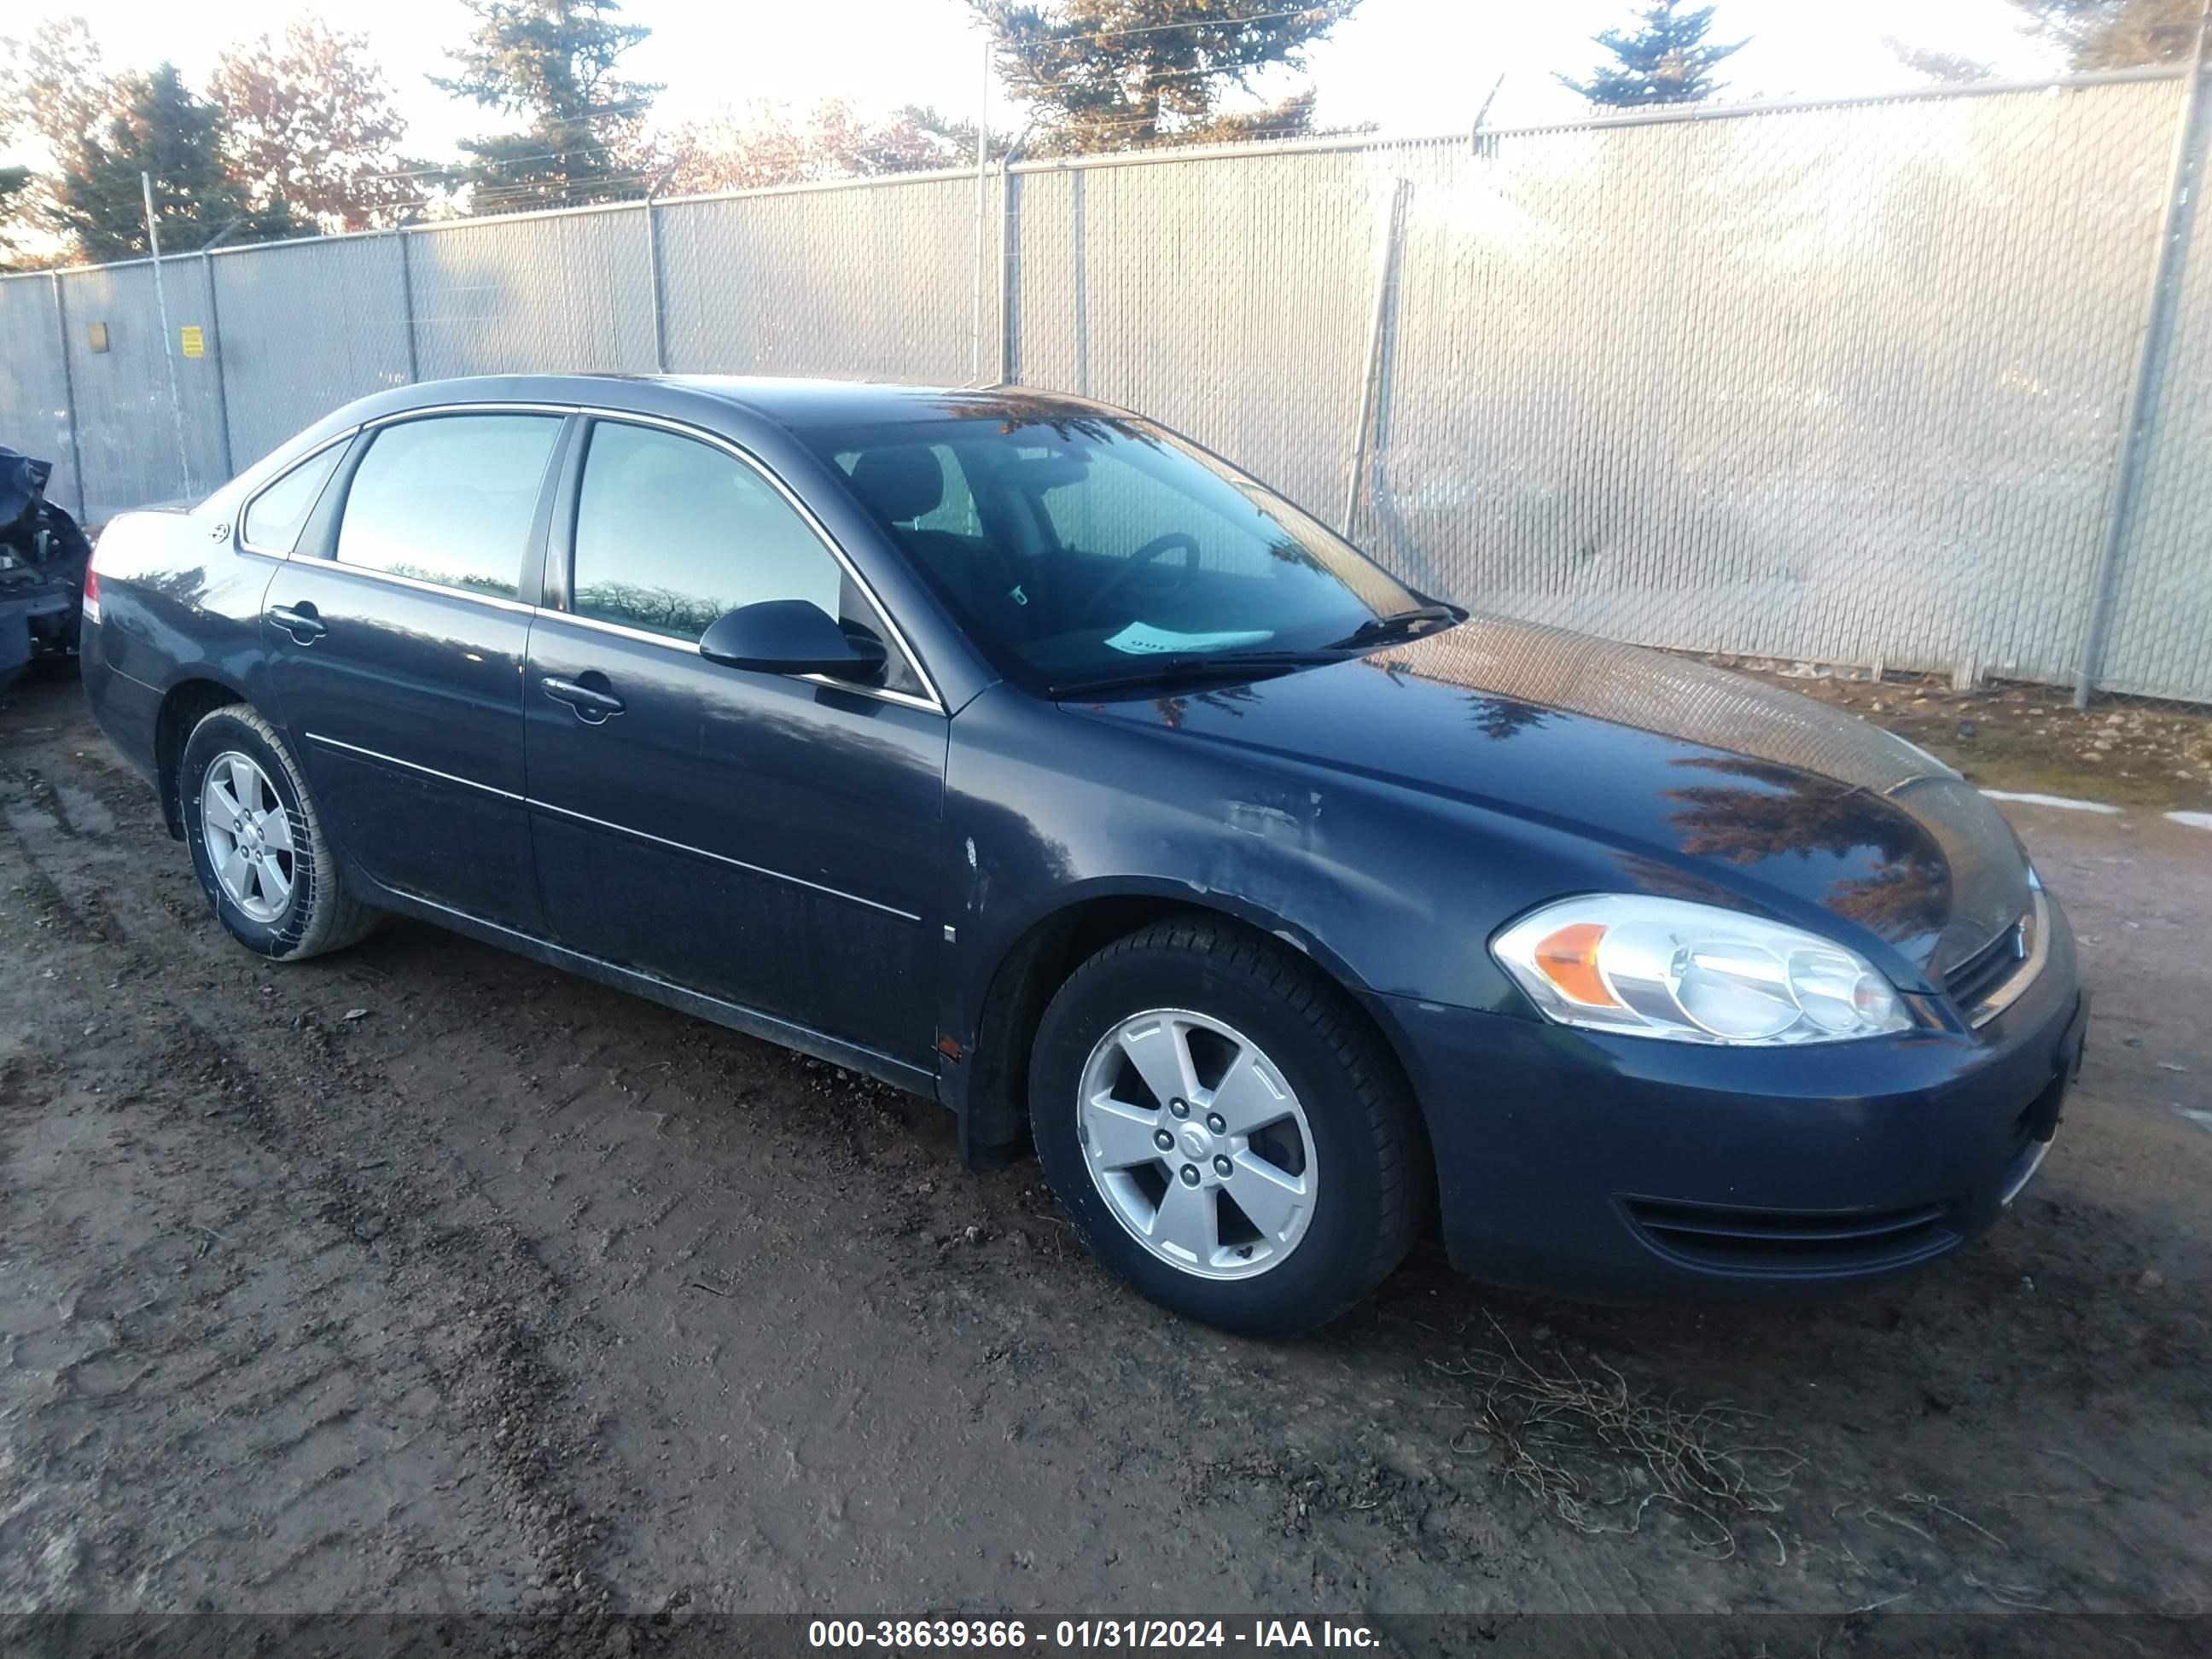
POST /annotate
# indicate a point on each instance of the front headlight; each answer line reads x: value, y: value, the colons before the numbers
x: 1665, y: 968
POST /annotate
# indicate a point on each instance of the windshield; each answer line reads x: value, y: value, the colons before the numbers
x: 1083, y: 548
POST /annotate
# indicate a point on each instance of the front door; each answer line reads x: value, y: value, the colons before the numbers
x: 396, y: 652
x: 767, y: 839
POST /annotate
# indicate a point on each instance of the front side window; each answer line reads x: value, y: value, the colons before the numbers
x: 672, y: 533
x: 1076, y: 548
x: 278, y: 514
x: 449, y: 499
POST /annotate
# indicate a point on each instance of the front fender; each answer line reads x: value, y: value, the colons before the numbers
x: 1044, y: 812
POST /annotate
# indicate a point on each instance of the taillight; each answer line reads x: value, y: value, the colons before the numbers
x: 91, y: 594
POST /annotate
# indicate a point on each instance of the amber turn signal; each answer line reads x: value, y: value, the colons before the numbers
x: 1569, y: 959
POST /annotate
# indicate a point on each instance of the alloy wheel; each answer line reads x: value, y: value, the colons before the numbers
x: 249, y: 835
x: 1197, y: 1144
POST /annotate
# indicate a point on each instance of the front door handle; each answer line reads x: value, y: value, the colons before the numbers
x: 591, y: 704
x: 300, y: 621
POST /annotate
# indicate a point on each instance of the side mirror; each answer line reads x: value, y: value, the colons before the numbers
x: 790, y: 636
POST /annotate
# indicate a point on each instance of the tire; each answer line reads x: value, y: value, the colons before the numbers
x: 1351, y: 1141
x: 289, y: 920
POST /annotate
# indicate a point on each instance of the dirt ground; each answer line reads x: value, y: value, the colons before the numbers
x: 421, y: 1278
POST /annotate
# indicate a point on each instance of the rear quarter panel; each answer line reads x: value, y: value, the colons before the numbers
x: 177, y: 603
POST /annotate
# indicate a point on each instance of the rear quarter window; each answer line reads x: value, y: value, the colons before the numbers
x: 275, y: 518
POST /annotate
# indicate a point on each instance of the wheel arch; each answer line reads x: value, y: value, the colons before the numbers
x: 184, y: 705
x: 990, y: 1095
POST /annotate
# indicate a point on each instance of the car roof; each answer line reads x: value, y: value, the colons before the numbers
x: 798, y: 404
x: 815, y: 403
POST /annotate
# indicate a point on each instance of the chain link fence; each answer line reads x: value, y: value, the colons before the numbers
x: 1861, y: 384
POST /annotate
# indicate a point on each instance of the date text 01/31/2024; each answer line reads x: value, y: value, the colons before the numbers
x: 1082, y: 1633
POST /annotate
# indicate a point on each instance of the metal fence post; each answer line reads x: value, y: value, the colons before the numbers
x: 168, y: 342
x: 1082, y: 289
x: 653, y: 271
x: 407, y: 304
x: 982, y: 208
x: 1474, y: 143
x: 68, y: 393
x: 2139, y: 426
x: 221, y: 374
x: 1009, y: 282
x: 1386, y: 277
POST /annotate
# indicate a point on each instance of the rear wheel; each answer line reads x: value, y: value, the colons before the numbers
x: 257, y: 843
x: 1224, y: 1131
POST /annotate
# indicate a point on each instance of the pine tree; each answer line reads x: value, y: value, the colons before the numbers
x: 15, y: 190
x: 2104, y: 34
x: 1102, y: 74
x: 552, y: 61
x: 1945, y: 68
x: 934, y: 140
x: 158, y: 128
x: 1665, y: 60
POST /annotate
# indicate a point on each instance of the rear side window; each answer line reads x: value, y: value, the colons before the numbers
x: 671, y: 533
x: 275, y: 516
x: 449, y: 499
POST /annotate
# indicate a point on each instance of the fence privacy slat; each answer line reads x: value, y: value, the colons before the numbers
x: 1842, y: 382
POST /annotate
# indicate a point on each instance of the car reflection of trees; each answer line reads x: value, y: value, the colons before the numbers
x: 1014, y: 410
x: 1292, y: 552
x: 1790, y: 813
x: 467, y: 581
x: 183, y: 583
x: 657, y: 610
x: 1497, y: 718
x: 1174, y: 710
x: 1500, y: 718
x: 1301, y: 539
x: 175, y: 605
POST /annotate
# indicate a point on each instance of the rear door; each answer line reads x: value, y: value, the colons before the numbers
x: 770, y: 840
x: 396, y: 641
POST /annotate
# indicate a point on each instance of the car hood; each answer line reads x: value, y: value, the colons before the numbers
x: 1700, y: 784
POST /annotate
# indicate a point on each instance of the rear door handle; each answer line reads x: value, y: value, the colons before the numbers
x: 300, y: 621
x: 592, y: 705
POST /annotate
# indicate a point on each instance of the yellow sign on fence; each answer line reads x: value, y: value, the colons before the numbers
x: 195, y: 343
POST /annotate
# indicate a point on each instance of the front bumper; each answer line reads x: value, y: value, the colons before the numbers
x: 1621, y: 1167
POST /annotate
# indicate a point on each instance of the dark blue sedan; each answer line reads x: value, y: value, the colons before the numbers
x: 1019, y: 752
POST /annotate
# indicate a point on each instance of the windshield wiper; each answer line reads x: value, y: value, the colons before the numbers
x: 1376, y: 630
x: 1185, y: 667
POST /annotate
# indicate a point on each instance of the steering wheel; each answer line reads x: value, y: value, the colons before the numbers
x: 1141, y: 561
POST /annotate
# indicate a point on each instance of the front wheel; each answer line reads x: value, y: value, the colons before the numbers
x: 1224, y: 1131
x: 257, y: 843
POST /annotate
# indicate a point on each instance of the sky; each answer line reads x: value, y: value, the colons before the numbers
x: 1414, y: 67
